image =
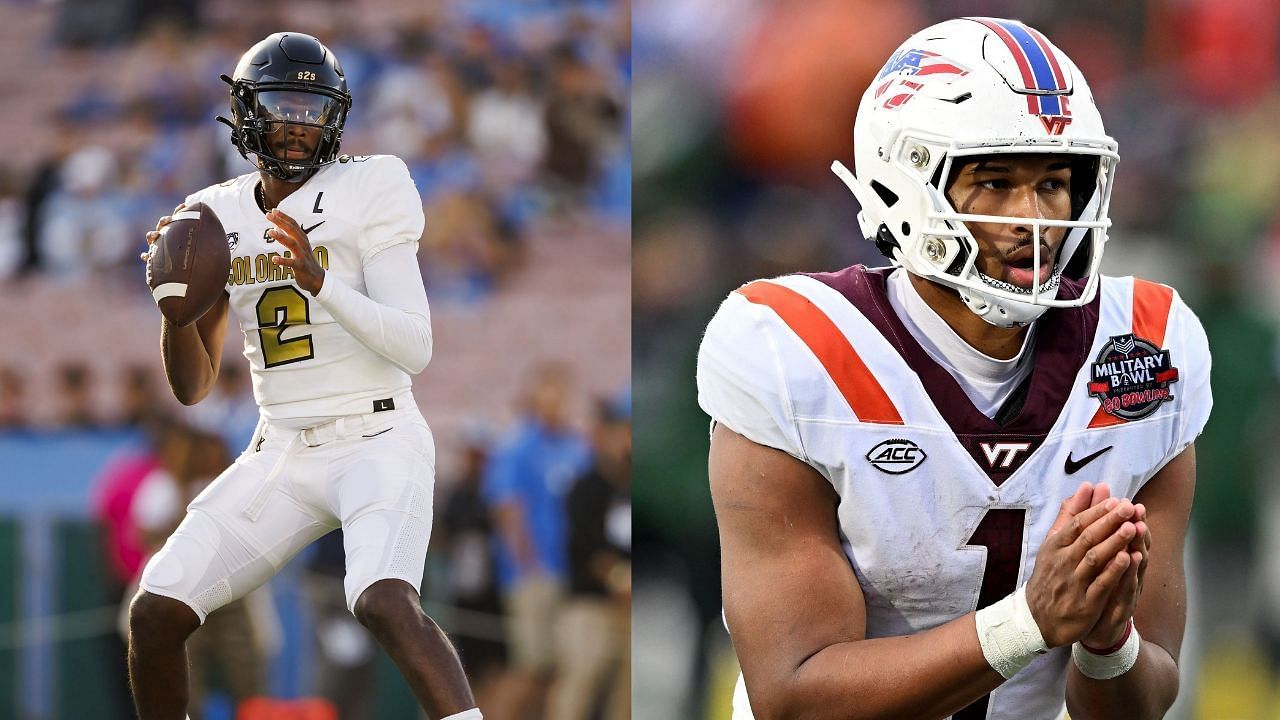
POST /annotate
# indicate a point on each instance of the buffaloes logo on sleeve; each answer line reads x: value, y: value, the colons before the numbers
x: 1131, y: 377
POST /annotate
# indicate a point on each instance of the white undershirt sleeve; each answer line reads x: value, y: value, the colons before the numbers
x: 394, y: 320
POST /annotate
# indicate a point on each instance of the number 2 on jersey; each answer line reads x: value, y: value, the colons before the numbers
x: 1000, y: 532
x: 278, y: 309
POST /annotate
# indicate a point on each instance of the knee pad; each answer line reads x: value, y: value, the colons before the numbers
x: 190, y: 568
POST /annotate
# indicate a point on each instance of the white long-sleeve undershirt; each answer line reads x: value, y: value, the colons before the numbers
x: 394, y: 319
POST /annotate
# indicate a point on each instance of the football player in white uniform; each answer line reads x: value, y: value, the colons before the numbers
x: 959, y: 486
x: 325, y: 284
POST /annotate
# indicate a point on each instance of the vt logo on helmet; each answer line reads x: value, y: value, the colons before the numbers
x: 974, y: 90
x: 289, y: 101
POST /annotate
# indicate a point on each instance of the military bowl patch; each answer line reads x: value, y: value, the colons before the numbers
x: 1131, y: 377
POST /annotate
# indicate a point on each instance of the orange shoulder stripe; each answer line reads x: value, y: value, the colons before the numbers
x: 866, y: 397
x: 1152, y: 303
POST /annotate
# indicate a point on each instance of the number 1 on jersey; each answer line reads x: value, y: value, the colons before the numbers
x: 278, y: 309
x: 1000, y: 532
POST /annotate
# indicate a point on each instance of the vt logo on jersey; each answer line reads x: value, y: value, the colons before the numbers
x: 1003, y: 454
x: 896, y: 456
x: 1131, y: 377
x: 1000, y: 455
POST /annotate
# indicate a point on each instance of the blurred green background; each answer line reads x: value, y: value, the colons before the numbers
x: 739, y: 109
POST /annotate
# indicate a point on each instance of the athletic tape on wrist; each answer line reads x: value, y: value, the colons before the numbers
x: 1106, y: 667
x: 1008, y: 634
x: 1114, y: 647
x: 472, y: 714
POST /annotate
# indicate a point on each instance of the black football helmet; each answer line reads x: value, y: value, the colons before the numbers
x: 287, y: 79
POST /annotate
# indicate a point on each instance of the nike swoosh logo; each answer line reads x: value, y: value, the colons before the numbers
x: 1072, y: 466
x: 313, y: 227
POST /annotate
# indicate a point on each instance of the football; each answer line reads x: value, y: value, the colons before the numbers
x: 188, y: 266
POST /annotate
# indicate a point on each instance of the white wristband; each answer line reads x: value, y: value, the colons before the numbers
x: 1009, y: 635
x: 1106, y: 667
x: 472, y: 714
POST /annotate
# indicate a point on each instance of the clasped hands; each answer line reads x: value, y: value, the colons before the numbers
x: 1089, y: 570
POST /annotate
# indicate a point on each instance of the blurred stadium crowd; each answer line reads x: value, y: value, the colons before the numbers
x: 739, y: 110
x: 514, y: 120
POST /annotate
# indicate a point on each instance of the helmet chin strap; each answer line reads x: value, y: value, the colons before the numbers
x: 1002, y: 313
x: 300, y: 176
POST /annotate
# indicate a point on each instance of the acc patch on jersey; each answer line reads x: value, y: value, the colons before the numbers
x: 896, y: 456
x: 1131, y: 377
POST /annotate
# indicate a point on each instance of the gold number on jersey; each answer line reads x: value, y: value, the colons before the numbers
x: 280, y: 308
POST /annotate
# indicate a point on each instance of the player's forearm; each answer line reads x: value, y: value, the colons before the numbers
x: 931, y: 674
x: 1146, y: 691
x: 187, y: 363
x: 402, y: 336
x: 192, y: 354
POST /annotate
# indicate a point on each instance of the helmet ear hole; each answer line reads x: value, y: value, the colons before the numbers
x: 906, y: 229
x: 887, y: 196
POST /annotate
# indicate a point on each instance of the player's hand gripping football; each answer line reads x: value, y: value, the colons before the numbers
x: 1082, y: 562
x: 1124, y: 599
x: 307, y: 271
x: 154, y: 235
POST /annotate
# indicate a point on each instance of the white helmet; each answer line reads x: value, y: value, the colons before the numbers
x: 971, y: 87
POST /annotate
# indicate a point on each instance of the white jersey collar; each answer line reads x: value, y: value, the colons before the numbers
x: 986, y: 380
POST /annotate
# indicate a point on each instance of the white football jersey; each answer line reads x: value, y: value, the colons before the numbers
x: 942, y: 509
x: 304, y: 364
